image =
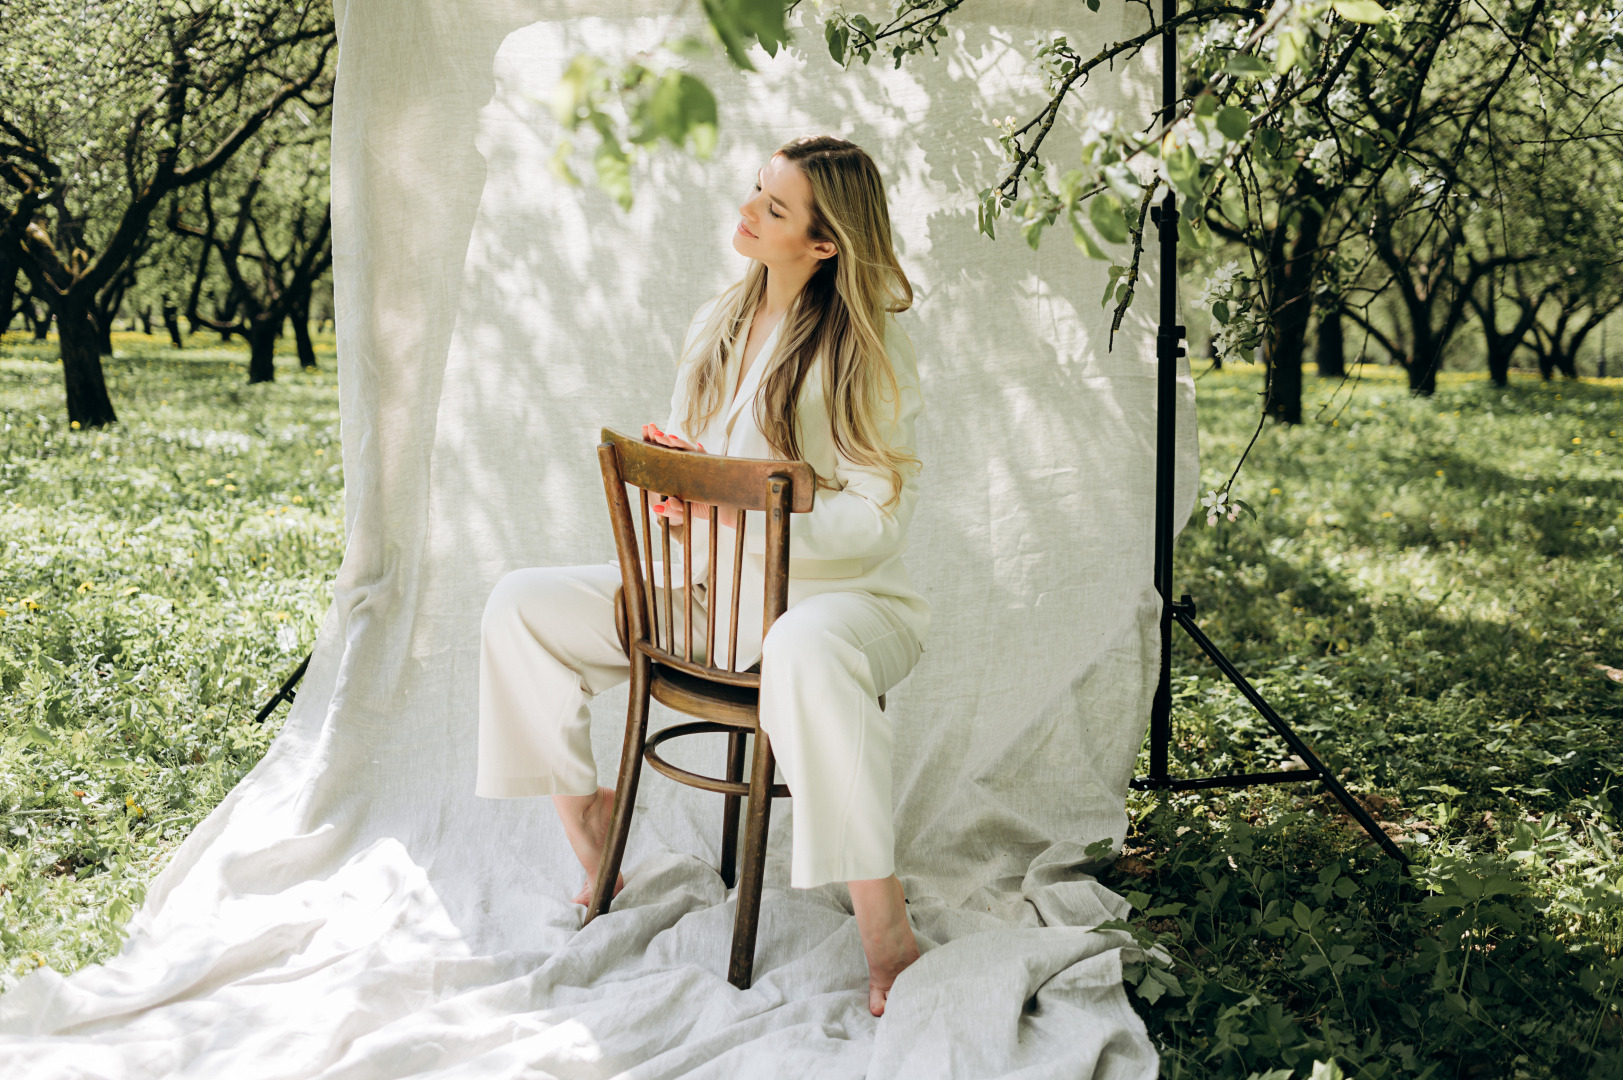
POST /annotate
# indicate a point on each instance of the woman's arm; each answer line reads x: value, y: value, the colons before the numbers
x: 854, y: 521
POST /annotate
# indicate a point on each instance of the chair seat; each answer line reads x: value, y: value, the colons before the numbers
x: 734, y: 706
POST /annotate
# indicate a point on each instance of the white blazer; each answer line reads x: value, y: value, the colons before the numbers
x: 850, y: 541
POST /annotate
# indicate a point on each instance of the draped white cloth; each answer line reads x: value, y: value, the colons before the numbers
x: 353, y: 910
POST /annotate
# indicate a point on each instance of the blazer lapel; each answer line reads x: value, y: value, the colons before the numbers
x: 752, y: 381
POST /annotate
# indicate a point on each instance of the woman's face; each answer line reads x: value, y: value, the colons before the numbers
x: 774, y: 218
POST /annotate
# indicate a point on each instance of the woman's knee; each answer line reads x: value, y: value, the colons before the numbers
x: 533, y: 588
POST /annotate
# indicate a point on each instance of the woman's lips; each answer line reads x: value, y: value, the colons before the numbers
x: 746, y: 232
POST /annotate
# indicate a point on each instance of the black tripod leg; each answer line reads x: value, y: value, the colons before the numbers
x: 1283, y: 730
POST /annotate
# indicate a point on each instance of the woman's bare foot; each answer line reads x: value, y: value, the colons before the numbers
x: 887, y: 937
x: 586, y: 822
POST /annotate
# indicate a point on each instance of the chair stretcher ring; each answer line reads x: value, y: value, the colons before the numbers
x: 698, y: 780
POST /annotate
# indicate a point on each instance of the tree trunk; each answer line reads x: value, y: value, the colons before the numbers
x: 1423, y: 363
x: 80, y: 340
x: 145, y: 316
x: 1284, y: 361
x: 262, y: 349
x: 1332, y: 347
x: 104, y: 333
x: 42, y: 324
x: 301, y: 332
x: 1501, y: 348
x: 171, y: 322
x: 1293, y: 281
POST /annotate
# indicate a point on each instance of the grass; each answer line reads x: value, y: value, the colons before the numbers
x: 159, y: 578
x: 1432, y: 592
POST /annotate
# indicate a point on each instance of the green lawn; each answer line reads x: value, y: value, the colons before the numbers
x: 1432, y: 593
x: 159, y: 579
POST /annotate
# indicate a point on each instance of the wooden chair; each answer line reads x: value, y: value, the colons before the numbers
x: 663, y: 663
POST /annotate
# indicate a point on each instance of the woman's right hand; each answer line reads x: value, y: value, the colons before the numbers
x: 668, y: 508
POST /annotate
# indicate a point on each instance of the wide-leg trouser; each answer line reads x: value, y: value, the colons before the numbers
x: 548, y: 644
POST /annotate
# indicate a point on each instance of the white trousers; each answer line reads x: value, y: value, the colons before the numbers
x: 548, y: 644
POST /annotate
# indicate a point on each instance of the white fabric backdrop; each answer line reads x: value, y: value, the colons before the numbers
x: 352, y: 910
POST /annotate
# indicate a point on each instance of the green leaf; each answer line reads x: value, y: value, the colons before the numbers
x: 838, y: 36
x: 737, y: 21
x: 1139, y: 900
x: 1327, y: 1070
x: 1105, y: 210
x: 1190, y: 232
x: 1292, y: 51
x: 1220, y: 312
x: 1033, y: 231
x: 572, y: 89
x: 679, y: 105
x: 613, y: 173
x: 1084, y: 240
x: 1233, y: 122
x: 1206, y: 104
x: 1183, y: 169
x: 1360, y: 11
x: 1245, y: 65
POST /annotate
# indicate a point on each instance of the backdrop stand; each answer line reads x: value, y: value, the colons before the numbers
x: 1168, y: 348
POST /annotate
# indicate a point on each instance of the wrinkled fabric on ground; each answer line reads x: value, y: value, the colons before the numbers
x: 353, y: 910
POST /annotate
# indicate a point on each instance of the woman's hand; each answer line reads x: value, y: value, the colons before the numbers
x: 671, y: 509
x: 652, y: 434
x: 668, y: 508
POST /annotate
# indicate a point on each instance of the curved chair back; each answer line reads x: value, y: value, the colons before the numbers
x: 701, y: 483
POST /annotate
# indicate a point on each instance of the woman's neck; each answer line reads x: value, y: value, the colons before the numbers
x: 781, y: 289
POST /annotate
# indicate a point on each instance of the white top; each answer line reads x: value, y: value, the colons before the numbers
x: 850, y: 540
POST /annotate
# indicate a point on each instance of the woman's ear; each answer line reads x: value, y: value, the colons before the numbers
x: 824, y: 249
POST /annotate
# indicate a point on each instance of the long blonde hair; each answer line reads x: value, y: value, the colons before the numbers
x: 839, y: 314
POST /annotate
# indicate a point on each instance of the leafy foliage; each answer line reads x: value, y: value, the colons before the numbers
x: 1431, y: 594
x: 159, y: 580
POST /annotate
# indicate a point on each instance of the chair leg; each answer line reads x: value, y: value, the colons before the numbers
x: 625, y: 790
x: 730, y: 808
x: 742, y: 965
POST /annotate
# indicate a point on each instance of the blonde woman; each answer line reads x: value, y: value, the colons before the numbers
x: 800, y: 359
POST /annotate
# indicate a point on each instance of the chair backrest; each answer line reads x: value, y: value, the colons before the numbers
x: 751, y: 485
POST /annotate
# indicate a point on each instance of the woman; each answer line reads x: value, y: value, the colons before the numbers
x: 802, y: 359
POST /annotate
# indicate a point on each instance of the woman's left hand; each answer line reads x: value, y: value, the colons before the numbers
x: 652, y: 434
x: 670, y: 508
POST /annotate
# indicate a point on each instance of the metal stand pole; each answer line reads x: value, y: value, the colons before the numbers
x: 1168, y: 348
x: 286, y: 692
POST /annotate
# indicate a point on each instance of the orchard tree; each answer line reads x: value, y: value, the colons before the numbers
x: 1291, y: 119
x: 108, y: 109
x: 266, y: 223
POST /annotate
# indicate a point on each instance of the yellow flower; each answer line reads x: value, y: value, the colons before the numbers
x: 1275, y: 491
x: 1386, y: 513
x: 298, y: 498
x: 1439, y: 472
x: 131, y: 589
x: 87, y: 586
x: 1575, y: 441
x: 3, y: 613
x: 213, y: 482
x: 231, y: 487
x: 74, y: 425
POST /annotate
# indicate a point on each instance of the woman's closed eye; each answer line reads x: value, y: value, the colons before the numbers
x: 769, y: 209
